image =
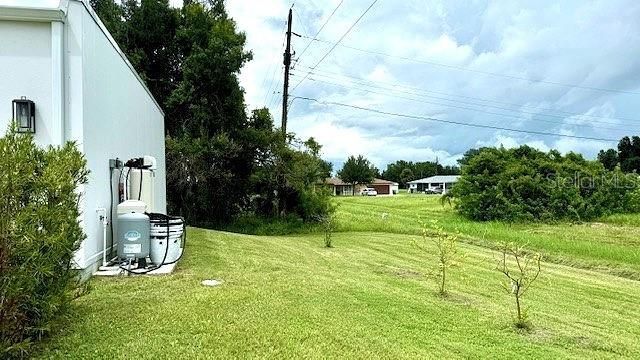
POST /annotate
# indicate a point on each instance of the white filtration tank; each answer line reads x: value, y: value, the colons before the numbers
x: 133, y: 235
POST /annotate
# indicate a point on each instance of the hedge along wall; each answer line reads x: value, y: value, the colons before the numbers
x: 39, y: 233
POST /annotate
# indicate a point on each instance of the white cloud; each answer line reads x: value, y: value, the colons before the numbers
x: 591, y: 44
x: 509, y: 142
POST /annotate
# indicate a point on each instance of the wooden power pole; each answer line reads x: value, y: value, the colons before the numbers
x: 287, y: 65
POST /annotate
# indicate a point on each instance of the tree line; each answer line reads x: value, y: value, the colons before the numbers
x: 627, y: 155
x: 359, y: 170
x: 221, y: 160
x: 403, y: 171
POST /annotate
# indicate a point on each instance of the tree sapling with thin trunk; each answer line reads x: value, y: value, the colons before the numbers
x: 328, y: 227
x: 446, y: 250
x: 521, y: 272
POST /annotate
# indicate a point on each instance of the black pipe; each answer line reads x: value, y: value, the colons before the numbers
x: 166, y: 252
x: 110, y: 212
x: 126, y: 184
x: 140, y: 190
x: 184, y: 242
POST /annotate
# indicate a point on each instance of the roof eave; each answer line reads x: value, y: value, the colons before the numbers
x: 14, y: 13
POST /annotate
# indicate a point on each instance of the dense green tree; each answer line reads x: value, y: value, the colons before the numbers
x: 608, y: 158
x: 527, y: 184
x: 470, y: 154
x: 394, y: 170
x: 357, y: 170
x: 286, y: 180
x: 627, y: 156
x: 418, y: 170
x: 220, y: 162
x: 111, y: 14
x: 405, y: 176
x: 326, y: 168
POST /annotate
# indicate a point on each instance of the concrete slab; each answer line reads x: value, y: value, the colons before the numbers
x: 115, y: 270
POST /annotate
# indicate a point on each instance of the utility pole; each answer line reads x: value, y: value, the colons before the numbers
x: 287, y: 65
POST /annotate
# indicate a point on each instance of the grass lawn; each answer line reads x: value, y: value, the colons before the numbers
x: 610, y: 245
x: 371, y: 296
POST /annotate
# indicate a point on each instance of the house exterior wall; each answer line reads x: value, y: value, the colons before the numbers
x: 120, y: 119
x: 343, y: 190
x: 84, y: 91
x: 25, y: 70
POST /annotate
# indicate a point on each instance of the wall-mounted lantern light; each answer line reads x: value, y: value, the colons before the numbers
x: 24, y: 114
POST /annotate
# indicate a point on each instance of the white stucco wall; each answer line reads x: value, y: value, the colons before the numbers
x: 120, y: 120
x: 25, y: 70
x: 86, y: 92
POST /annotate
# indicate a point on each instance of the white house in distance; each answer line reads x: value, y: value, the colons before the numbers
x: 439, y: 183
x: 57, y: 57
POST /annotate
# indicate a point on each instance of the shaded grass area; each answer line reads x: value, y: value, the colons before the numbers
x: 611, y: 246
x: 369, y: 297
x: 256, y: 225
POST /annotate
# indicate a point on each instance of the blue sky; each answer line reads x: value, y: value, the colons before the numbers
x: 471, y: 62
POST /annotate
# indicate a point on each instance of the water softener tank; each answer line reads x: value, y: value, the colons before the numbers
x: 133, y: 236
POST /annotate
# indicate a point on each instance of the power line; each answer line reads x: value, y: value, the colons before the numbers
x: 346, y: 86
x: 452, y: 121
x: 338, y: 42
x: 306, y: 30
x: 568, y: 113
x: 464, y: 107
x: 275, y: 69
x: 320, y: 30
x: 275, y: 92
x: 489, y: 73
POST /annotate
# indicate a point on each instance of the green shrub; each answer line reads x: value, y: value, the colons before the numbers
x: 525, y: 184
x: 328, y: 223
x: 39, y: 233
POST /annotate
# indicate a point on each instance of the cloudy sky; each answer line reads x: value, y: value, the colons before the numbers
x: 570, y: 67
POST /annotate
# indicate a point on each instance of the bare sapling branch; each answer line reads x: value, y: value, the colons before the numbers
x: 521, y: 270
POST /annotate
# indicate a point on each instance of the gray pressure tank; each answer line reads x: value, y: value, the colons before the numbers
x: 133, y: 236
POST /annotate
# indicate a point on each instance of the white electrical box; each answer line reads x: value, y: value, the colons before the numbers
x: 142, y: 187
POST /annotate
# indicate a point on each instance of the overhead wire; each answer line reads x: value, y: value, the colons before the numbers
x: 489, y: 73
x: 409, y: 116
x: 322, y: 72
x: 275, y: 69
x: 319, y: 30
x: 338, y: 42
x: 463, y: 107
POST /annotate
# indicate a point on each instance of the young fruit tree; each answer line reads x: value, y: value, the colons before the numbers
x: 446, y: 250
x: 328, y: 223
x: 521, y: 270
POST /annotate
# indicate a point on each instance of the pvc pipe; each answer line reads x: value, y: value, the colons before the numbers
x: 103, y: 218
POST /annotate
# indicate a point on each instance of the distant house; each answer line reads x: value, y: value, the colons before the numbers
x: 440, y: 183
x: 339, y: 187
x: 383, y: 187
